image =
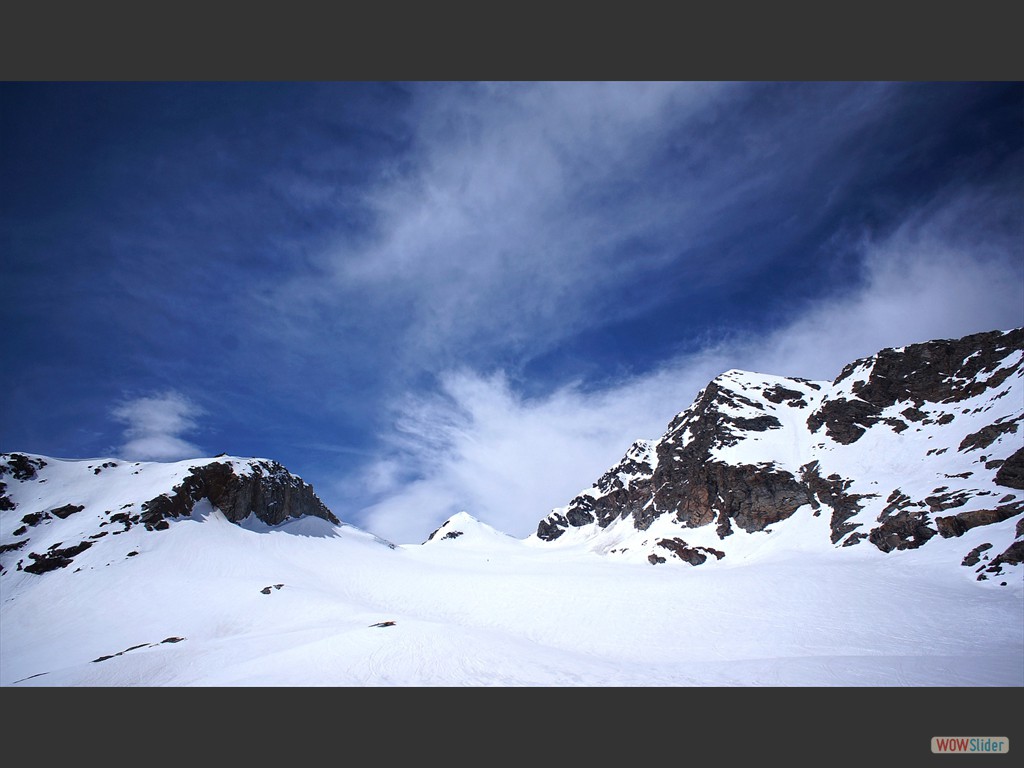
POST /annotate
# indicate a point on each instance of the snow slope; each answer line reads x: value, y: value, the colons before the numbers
x: 847, y: 550
x: 209, y: 602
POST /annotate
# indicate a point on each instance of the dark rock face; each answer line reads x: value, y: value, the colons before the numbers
x: 55, y: 558
x: 686, y: 553
x: 907, y: 529
x: 985, y: 436
x: 67, y: 510
x: 974, y: 556
x: 452, y: 534
x: 958, y: 525
x: 831, y: 492
x: 270, y: 492
x: 684, y: 476
x: 943, y: 371
x: 19, y: 466
x: 683, y: 479
x: 1011, y: 471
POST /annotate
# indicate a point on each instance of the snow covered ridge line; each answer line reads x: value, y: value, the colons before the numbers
x: 36, y: 491
x: 910, y: 445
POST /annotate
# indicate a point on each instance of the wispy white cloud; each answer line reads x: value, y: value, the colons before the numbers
x: 522, y: 206
x: 482, y: 447
x: 154, y: 426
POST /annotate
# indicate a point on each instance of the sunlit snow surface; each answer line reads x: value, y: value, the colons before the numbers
x: 297, y: 605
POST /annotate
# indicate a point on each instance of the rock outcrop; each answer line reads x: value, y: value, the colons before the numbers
x: 109, y: 498
x: 909, y: 444
x: 268, y: 491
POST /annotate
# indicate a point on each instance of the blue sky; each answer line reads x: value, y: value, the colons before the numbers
x: 432, y: 297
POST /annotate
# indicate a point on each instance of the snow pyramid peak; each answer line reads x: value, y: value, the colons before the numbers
x: 467, y: 529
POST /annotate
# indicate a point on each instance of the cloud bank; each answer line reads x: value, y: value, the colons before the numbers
x: 155, y: 425
x: 480, y: 446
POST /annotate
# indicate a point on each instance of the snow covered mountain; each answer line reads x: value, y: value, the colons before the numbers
x: 904, y: 449
x: 841, y: 529
x: 106, y: 497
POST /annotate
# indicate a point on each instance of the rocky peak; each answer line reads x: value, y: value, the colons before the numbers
x: 255, y: 487
x: 753, y: 449
x: 109, y: 497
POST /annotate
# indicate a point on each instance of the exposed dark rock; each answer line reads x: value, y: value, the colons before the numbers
x: 688, y: 479
x: 551, y: 527
x: 832, y: 492
x: 985, y: 436
x: 67, y: 510
x: 686, y: 553
x: 6, y: 502
x: 20, y: 530
x: 270, y: 493
x: 55, y: 558
x: 845, y: 420
x: 779, y: 394
x: 20, y: 466
x: 1011, y: 472
x: 757, y: 424
x: 974, y: 556
x: 946, y: 501
x: 34, y: 518
x: 383, y: 624
x: 578, y: 516
x: 453, y: 534
x: 959, y: 524
x: 897, y: 500
x: 1012, y: 555
x: 907, y: 529
x: 266, y: 590
x: 914, y: 414
x: 12, y: 547
x: 942, y: 371
x: 123, y: 518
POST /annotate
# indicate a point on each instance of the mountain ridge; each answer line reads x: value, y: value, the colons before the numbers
x: 905, y: 445
x: 131, y: 574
